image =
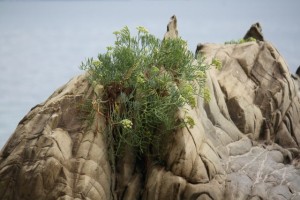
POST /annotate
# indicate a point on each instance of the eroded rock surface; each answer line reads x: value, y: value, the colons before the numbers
x: 54, y: 155
x: 262, y: 101
x: 244, y: 145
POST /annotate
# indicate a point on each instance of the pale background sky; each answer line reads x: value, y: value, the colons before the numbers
x: 42, y: 43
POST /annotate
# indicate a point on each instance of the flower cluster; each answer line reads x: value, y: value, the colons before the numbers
x: 154, y: 70
x: 206, y: 94
x: 97, y: 63
x: 188, y: 93
x: 140, y: 79
x: 142, y: 29
x: 126, y: 123
x: 200, y: 74
x: 217, y: 63
x: 190, y: 121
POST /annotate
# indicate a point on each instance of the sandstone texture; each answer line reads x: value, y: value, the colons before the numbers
x: 244, y: 145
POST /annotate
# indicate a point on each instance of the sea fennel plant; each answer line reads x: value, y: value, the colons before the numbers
x: 145, y: 81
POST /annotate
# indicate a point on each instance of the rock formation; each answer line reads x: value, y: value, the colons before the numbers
x: 255, y: 31
x: 172, y: 31
x: 298, y: 71
x: 244, y: 145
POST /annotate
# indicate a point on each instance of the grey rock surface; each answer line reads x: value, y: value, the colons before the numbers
x: 244, y: 145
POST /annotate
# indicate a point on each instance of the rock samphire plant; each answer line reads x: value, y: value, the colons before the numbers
x: 241, y: 41
x: 143, y: 82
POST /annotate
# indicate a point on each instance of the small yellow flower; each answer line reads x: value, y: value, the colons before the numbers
x: 116, y: 32
x: 241, y: 41
x: 206, y: 94
x: 190, y: 121
x: 142, y: 29
x: 97, y: 63
x: 140, y: 79
x: 192, y: 101
x: 217, y: 63
x: 109, y: 48
x: 126, y: 123
x: 200, y: 74
x: 154, y: 70
x: 251, y: 39
x: 188, y: 89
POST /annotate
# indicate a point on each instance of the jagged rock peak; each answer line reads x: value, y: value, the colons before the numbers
x: 298, y: 71
x: 172, y: 31
x: 255, y: 31
x: 198, y: 49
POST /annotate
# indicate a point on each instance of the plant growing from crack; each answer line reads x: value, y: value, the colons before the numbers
x: 241, y: 41
x: 145, y: 81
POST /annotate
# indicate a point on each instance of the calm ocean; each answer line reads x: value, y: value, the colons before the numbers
x: 42, y: 43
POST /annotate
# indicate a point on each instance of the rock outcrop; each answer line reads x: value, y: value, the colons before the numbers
x: 244, y: 144
x: 172, y: 31
x: 255, y: 32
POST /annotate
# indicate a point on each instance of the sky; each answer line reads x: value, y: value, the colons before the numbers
x: 199, y: 21
x: 42, y: 43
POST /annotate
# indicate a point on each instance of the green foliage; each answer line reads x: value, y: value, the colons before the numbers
x: 190, y: 121
x: 241, y: 41
x: 145, y: 82
x: 217, y: 63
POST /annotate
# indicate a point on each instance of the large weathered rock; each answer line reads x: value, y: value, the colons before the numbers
x: 262, y: 100
x: 53, y: 154
x: 244, y: 145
